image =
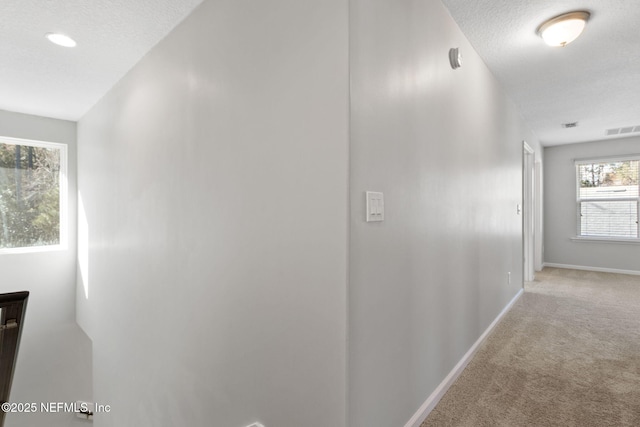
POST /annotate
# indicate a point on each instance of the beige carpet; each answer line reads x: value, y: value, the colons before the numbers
x: 567, y: 354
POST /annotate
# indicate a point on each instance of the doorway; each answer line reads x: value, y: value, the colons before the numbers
x: 528, y: 209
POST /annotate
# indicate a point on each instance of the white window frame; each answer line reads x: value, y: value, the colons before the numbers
x: 64, y: 191
x: 603, y: 239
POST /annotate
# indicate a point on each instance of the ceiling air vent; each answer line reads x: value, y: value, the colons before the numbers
x: 623, y: 130
x: 570, y: 125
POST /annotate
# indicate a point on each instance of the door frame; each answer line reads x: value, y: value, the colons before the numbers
x: 528, y: 211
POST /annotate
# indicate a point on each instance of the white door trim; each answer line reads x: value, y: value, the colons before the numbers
x: 528, y: 211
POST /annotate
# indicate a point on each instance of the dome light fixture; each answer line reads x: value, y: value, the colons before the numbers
x: 61, y: 39
x: 563, y: 29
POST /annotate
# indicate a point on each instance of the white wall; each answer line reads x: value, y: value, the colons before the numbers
x: 55, y: 356
x: 214, y: 181
x: 215, y: 184
x: 445, y: 148
x: 560, y: 208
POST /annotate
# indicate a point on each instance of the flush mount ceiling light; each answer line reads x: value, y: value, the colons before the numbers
x: 61, y: 39
x: 563, y: 29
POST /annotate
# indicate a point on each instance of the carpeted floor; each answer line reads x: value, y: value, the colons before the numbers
x: 567, y: 354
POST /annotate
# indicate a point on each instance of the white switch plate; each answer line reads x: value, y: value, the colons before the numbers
x: 375, y: 206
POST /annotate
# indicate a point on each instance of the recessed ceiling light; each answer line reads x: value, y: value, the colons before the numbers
x: 61, y: 39
x: 563, y: 29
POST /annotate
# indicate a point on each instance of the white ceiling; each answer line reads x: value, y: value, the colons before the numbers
x: 38, y: 77
x: 595, y: 80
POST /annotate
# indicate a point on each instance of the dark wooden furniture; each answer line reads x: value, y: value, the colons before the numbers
x: 12, y: 310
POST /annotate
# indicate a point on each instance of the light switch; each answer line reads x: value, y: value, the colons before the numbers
x: 375, y: 206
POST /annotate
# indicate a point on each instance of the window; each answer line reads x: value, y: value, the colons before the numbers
x: 32, y: 194
x: 608, y: 198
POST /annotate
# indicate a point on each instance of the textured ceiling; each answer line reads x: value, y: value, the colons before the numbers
x: 38, y: 77
x: 594, y: 81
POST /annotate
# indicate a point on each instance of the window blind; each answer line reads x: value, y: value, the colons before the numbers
x: 608, y: 198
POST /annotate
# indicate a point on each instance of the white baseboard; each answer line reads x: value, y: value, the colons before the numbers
x: 587, y: 268
x: 431, y: 402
